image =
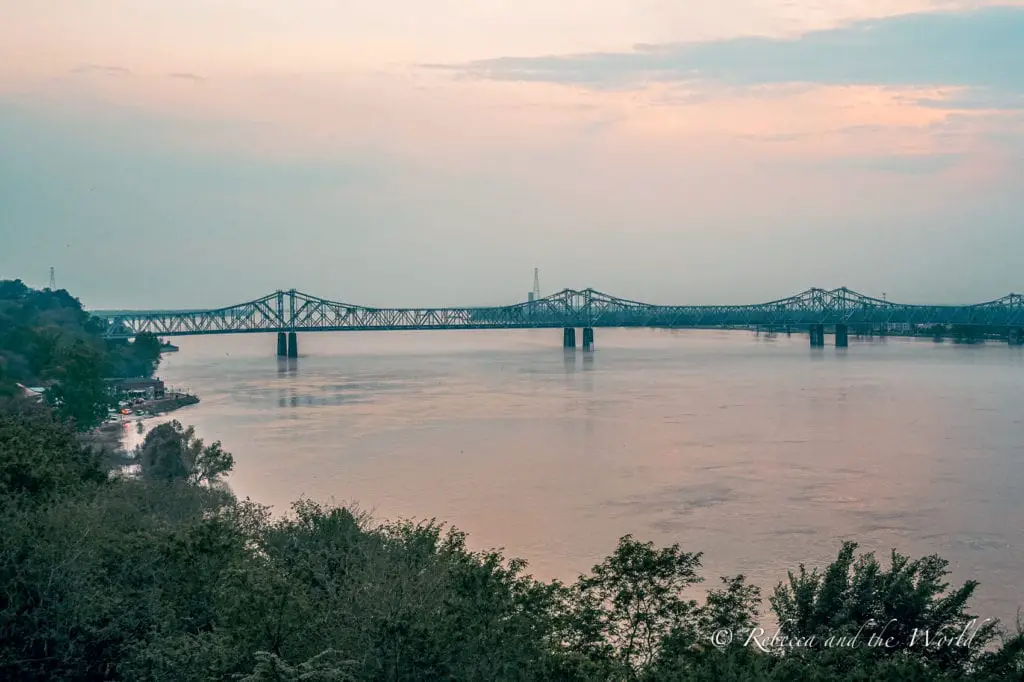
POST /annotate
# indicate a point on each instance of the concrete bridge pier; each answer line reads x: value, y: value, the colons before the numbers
x: 588, y: 338
x: 569, y: 337
x: 817, y: 335
x: 293, y: 345
x: 842, y: 336
x: 1016, y: 337
x: 282, y: 345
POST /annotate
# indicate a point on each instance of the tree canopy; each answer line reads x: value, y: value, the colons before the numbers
x: 48, y: 340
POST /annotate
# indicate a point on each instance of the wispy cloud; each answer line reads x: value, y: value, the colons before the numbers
x: 102, y: 69
x: 976, y: 98
x: 981, y: 49
x: 187, y: 76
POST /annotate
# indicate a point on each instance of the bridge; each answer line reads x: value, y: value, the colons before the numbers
x: 814, y: 310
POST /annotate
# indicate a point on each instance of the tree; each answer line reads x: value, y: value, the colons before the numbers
x: 632, y: 600
x: 137, y: 358
x: 47, y: 339
x: 80, y: 394
x: 324, y: 667
x: 170, y: 452
x: 12, y: 290
x: 39, y: 456
x: 8, y: 387
x: 907, y: 606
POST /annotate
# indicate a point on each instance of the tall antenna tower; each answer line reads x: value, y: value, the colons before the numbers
x: 53, y: 280
x: 536, y: 283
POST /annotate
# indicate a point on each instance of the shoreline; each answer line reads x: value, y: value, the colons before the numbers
x: 110, y: 435
x: 169, y: 403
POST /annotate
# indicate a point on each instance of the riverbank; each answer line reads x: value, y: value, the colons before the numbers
x: 169, y: 403
x: 109, y: 436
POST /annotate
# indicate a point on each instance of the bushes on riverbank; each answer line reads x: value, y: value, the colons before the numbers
x: 166, y: 576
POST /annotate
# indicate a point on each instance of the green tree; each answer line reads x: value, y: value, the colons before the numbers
x: 80, y: 394
x: 899, y: 605
x: 40, y: 456
x: 632, y: 601
x: 171, y: 452
x: 324, y: 667
x: 136, y: 358
x: 47, y: 339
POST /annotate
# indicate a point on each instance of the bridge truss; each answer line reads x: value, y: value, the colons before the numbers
x: 295, y: 311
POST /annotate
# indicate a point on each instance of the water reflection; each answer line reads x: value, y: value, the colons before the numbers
x: 569, y: 360
x: 287, y: 365
x: 287, y: 370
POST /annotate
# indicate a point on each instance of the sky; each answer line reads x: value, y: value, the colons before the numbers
x: 409, y: 153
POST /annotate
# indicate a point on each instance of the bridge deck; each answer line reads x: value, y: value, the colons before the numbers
x: 296, y: 311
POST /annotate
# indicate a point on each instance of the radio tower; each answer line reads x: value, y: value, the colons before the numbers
x: 53, y: 280
x: 536, y: 283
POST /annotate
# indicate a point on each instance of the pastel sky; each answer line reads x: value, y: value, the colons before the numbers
x: 400, y: 152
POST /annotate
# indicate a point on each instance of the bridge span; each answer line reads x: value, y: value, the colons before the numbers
x: 814, y: 310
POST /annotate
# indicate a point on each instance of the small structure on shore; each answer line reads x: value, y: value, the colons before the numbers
x: 137, y: 387
x: 33, y: 392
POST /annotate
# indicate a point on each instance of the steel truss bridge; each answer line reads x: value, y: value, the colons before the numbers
x: 839, y: 309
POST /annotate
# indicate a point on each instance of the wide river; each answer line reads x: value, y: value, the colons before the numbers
x: 760, y: 452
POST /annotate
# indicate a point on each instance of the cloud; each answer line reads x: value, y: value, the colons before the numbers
x: 976, y: 99
x: 116, y: 71
x: 187, y: 76
x: 971, y: 49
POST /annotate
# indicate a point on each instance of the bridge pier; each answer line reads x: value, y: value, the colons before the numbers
x: 569, y: 337
x: 1016, y: 337
x: 293, y: 345
x: 817, y: 335
x: 588, y: 338
x: 282, y: 345
x: 842, y: 336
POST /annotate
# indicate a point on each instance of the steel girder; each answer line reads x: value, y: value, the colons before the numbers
x: 296, y: 311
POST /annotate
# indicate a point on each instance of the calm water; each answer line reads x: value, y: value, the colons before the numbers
x: 760, y: 452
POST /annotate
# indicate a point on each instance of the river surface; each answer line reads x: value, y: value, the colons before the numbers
x: 760, y: 452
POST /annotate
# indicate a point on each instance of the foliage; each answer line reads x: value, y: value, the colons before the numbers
x: 47, y: 339
x: 79, y: 394
x: 898, y: 606
x: 137, y: 358
x: 40, y: 456
x: 171, y: 452
x: 632, y: 601
x: 320, y: 668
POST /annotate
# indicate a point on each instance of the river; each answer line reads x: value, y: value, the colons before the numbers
x: 760, y: 452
